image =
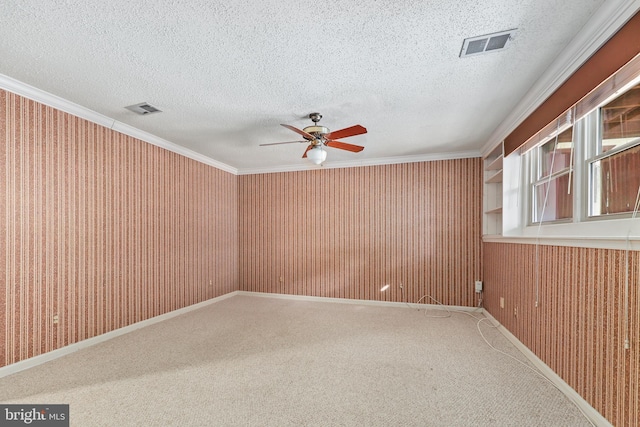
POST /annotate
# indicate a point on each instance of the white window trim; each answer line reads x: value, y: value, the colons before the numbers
x: 615, y: 232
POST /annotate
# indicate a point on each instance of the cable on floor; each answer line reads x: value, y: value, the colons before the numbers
x: 480, y: 320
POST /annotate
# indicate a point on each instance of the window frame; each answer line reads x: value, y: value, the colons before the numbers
x: 536, y: 178
x: 595, y: 154
x: 618, y: 230
x: 589, y: 166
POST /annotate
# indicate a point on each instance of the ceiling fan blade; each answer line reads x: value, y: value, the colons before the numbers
x: 304, y: 156
x: 278, y: 143
x: 298, y: 131
x: 343, y: 133
x: 344, y: 146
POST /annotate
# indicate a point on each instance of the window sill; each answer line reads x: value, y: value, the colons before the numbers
x: 607, y: 234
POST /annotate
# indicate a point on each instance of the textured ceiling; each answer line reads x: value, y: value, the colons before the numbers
x: 227, y: 74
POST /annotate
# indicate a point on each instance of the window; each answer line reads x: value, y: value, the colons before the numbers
x: 551, y: 182
x: 578, y: 178
x: 614, y: 170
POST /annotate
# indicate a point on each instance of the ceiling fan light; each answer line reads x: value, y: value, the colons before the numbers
x: 317, y: 155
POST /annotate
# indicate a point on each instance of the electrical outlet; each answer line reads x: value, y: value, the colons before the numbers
x: 515, y: 311
x: 501, y: 302
x: 281, y: 278
x: 56, y: 319
x: 478, y: 286
x: 400, y: 285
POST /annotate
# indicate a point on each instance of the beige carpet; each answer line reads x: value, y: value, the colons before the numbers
x: 255, y: 361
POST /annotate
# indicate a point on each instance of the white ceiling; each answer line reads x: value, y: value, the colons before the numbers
x: 226, y: 74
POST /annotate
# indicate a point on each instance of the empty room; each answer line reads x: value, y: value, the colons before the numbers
x: 285, y: 213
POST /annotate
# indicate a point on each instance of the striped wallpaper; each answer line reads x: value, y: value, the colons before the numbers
x: 344, y: 233
x: 578, y: 328
x: 102, y: 230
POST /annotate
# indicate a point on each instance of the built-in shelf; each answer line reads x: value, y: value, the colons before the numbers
x: 495, y: 178
x: 492, y: 218
x: 494, y: 165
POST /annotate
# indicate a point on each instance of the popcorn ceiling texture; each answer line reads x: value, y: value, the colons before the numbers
x: 226, y: 74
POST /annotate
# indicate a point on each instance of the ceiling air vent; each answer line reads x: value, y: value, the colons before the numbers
x: 143, y: 108
x: 487, y: 43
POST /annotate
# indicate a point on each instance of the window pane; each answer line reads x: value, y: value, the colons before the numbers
x: 615, y: 181
x: 620, y: 120
x: 562, y: 158
x: 559, y: 202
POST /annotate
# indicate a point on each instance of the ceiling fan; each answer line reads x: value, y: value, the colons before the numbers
x: 319, y: 136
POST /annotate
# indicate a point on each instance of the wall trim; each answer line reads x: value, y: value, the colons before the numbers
x: 178, y: 149
x: 358, y: 301
x: 89, y: 342
x: 602, y: 25
x: 593, y: 415
x: 572, y: 241
x: 589, y: 411
x: 72, y: 348
x: 54, y: 101
x: 306, y: 166
x: 46, y: 98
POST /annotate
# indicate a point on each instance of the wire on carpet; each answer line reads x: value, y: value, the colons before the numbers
x: 480, y: 320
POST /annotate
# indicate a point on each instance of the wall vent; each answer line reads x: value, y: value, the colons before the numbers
x: 487, y: 43
x: 143, y: 108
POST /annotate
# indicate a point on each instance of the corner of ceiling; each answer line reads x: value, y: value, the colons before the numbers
x: 46, y: 98
x: 362, y: 163
x: 54, y: 101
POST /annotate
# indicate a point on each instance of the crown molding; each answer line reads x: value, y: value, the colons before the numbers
x: 178, y: 149
x: 46, y: 98
x: 604, y: 23
x: 19, y: 88
x: 368, y: 162
x: 54, y: 101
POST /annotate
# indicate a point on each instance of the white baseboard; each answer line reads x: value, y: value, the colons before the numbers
x: 72, y: 348
x: 361, y: 301
x: 594, y: 416
x: 589, y: 411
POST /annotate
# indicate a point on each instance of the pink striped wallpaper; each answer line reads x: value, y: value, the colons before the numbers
x: 345, y: 233
x: 578, y: 328
x: 102, y: 230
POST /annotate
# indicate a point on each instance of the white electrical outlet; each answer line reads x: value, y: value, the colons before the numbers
x: 501, y: 302
x: 478, y: 286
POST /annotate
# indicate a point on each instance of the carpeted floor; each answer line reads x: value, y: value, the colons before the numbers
x: 256, y: 361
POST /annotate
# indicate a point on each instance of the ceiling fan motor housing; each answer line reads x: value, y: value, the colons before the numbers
x: 317, y: 131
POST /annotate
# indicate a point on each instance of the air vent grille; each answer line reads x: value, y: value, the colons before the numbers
x: 143, y: 108
x: 487, y: 43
